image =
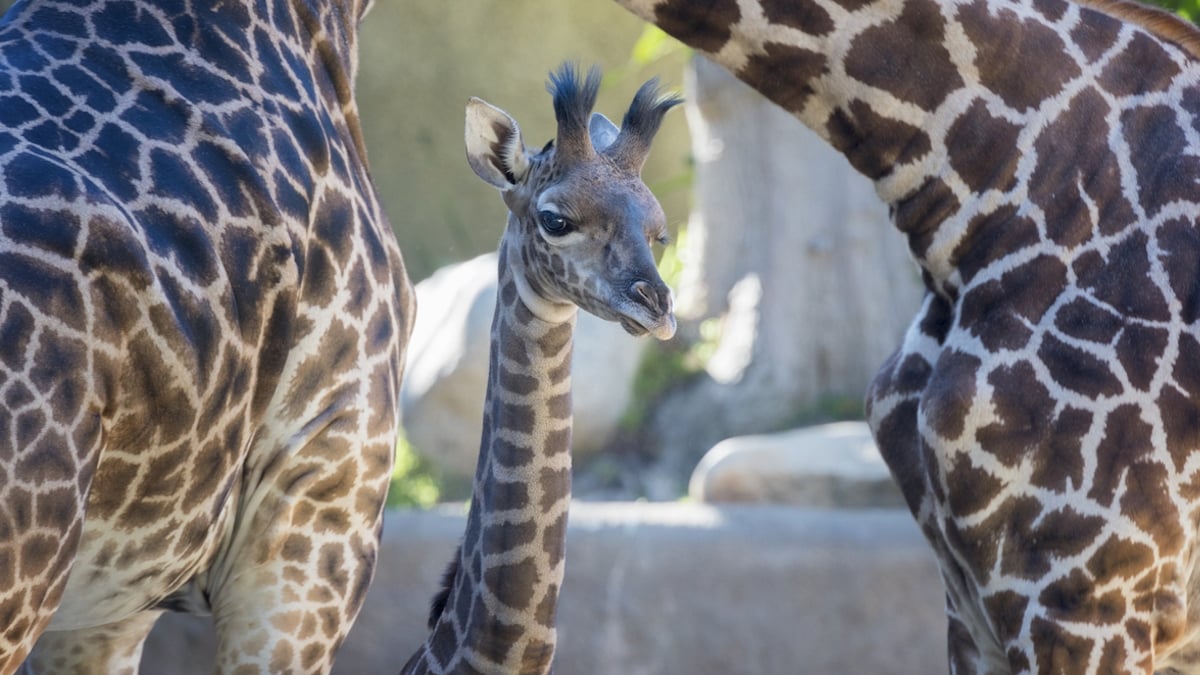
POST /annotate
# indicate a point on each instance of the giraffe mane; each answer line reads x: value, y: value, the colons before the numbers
x: 1166, y: 25
x: 439, y: 602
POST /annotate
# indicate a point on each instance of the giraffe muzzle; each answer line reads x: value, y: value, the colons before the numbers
x: 654, y: 310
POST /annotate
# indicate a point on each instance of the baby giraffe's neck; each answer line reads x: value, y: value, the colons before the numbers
x: 500, y: 611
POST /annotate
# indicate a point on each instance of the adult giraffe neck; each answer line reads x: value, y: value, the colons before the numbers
x: 961, y: 112
x: 502, y: 603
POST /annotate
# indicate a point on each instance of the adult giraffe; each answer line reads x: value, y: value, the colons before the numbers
x: 1042, y: 415
x: 203, y: 314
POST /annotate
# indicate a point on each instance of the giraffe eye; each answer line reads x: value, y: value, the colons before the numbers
x: 553, y: 223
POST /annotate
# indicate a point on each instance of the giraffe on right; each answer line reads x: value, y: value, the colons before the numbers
x: 1042, y: 414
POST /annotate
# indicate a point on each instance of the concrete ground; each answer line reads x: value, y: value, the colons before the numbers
x: 671, y: 589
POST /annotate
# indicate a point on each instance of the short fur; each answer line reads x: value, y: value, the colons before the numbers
x: 1158, y: 21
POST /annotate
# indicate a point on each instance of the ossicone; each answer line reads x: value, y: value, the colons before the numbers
x: 574, y: 99
x: 641, y: 123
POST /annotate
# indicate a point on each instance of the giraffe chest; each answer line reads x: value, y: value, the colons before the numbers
x: 1042, y: 428
x: 192, y: 481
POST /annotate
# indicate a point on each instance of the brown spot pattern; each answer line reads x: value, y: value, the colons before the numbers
x: 1006, y: 48
x: 1095, y: 33
x: 1085, y: 320
x: 1078, y: 370
x: 997, y: 311
x: 970, y: 488
x: 1142, y: 66
x: 1006, y: 609
x: 1023, y: 407
x: 920, y: 214
x: 1126, y: 442
x: 783, y: 73
x: 874, y: 144
x: 804, y: 15
x: 950, y: 393
x: 1122, y: 280
x: 1147, y: 503
x: 1181, y: 424
x: 994, y: 236
x: 923, y: 77
x: 1074, y: 162
x: 1166, y: 171
x: 1059, y: 462
x: 983, y: 149
x: 706, y: 27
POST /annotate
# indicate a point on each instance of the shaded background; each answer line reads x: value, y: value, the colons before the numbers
x: 420, y: 60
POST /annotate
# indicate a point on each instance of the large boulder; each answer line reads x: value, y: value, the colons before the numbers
x: 664, y: 589
x: 832, y: 465
x: 442, y: 397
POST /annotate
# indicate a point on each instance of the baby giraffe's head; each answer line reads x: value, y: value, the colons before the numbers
x: 580, y: 220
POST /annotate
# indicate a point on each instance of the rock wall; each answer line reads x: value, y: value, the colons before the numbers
x: 668, y: 589
x: 830, y: 465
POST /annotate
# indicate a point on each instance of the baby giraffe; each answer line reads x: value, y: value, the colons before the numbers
x: 580, y: 227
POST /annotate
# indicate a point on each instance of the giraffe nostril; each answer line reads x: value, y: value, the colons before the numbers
x: 647, y: 295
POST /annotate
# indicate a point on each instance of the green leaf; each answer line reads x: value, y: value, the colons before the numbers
x: 652, y: 45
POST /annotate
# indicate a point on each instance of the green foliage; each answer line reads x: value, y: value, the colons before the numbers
x: 653, y: 50
x: 670, y: 266
x: 414, y: 484
x: 663, y: 365
x: 829, y: 408
x: 654, y: 45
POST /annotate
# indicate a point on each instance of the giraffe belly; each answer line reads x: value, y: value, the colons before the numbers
x: 121, y: 569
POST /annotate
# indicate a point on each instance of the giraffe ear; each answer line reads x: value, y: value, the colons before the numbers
x: 602, y: 131
x: 495, y: 149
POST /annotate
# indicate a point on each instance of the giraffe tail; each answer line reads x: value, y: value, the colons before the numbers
x: 438, y: 604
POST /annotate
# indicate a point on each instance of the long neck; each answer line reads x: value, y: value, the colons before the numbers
x: 499, y: 615
x: 962, y: 111
x: 866, y: 76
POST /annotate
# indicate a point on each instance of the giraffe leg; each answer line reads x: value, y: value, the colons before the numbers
x: 297, y: 572
x: 43, y: 484
x: 111, y: 649
x: 285, y: 616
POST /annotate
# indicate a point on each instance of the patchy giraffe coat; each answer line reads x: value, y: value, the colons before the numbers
x: 580, y: 226
x: 1042, y: 415
x: 203, y: 313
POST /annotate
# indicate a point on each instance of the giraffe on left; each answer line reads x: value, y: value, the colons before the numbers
x: 203, y: 316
